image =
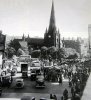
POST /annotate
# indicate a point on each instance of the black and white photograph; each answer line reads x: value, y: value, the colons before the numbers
x: 45, y: 49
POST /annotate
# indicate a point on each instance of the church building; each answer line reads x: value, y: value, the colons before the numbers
x: 51, y: 36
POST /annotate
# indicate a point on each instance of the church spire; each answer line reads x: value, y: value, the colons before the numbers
x: 28, y: 36
x: 23, y: 37
x: 52, y: 18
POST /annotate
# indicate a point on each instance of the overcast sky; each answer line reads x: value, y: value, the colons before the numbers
x: 32, y: 17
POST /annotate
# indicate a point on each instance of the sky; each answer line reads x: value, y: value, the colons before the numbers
x: 32, y: 17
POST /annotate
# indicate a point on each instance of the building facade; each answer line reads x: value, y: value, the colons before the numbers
x: 89, y: 38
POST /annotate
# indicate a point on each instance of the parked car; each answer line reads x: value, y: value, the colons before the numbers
x: 40, y: 81
x: 6, y: 80
x: 19, y: 83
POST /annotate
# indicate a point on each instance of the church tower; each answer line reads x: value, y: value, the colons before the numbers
x: 52, y: 36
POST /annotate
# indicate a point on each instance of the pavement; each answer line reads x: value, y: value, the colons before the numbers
x: 87, y: 90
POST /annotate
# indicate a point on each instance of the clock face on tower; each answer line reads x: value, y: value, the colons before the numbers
x: 49, y: 36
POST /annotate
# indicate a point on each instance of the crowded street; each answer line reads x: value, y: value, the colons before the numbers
x: 41, y: 58
x: 66, y: 79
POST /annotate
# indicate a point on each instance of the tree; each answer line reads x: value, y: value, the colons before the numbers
x: 30, y: 49
x: 44, y: 52
x: 72, y: 44
x: 61, y: 53
x: 35, y: 53
x: 74, y: 56
x: 15, y: 44
x: 20, y: 52
x: 10, y: 52
x: 52, y: 51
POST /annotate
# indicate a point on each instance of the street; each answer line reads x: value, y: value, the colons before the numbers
x: 30, y: 90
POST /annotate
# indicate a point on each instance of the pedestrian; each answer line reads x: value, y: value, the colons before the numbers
x: 70, y: 83
x: 54, y: 97
x: 62, y: 98
x: 65, y: 94
x: 77, y: 89
x: 60, y: 80
x: 72, y: 91
x: 51, y: 96
x: 77, y: 97
x: 33, y: 98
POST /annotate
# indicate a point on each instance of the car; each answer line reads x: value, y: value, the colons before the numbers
x: 34, y: 73
x: 19, y: 83
x: 48, y: 67
x: 6, y: 80
x: 35, y: 65
x: 40, y: 82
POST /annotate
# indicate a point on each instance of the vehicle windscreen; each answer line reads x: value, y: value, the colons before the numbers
x: 35, y: 64
x: 24, y: 59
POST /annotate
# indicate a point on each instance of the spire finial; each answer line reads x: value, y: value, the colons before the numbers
x: 46, y: 30
x: 52, y: 3
x: 23, y: 37
x: 52, y: 17
x: 28, y: 36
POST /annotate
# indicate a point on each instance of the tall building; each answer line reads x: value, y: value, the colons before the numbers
x: 2, y: 43
x: 89, y: 38
x: 2, y: 48
x: 89, y: 34
x: 52, y: 35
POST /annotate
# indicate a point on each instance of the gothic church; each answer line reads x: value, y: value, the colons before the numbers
x: 51, y: 36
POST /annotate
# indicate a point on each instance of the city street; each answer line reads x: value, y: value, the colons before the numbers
x: 30, y: 90
x: 43, y: 55
x: 17, y: 96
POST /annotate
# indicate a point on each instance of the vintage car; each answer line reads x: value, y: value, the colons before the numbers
x: 19, y: 83
x: 34, y: 73
x: 6, y: 79
x: 40, y: 82
x: 35, y: 65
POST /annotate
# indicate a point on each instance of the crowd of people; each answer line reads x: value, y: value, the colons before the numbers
x: 77, y: 74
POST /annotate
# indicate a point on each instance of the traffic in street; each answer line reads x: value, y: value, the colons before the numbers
x: 32, y: 76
